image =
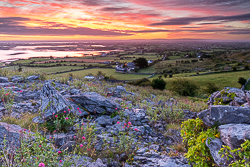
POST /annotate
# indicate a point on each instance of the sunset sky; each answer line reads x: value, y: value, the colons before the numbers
x: 124, y: 19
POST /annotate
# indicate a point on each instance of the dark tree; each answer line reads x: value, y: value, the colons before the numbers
x: 242, y: 81
x: 158, y: 84
x: 141, y: 62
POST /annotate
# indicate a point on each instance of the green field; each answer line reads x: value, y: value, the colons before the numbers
x: 226, y: 79
x: 108, y: 72
x: 47, y: 70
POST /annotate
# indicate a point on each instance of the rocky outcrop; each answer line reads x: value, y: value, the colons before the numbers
x: 218, y: 115
x: 52, y: 102
x: 95, y: 103
x: 230, y: 96
x: 32, y: 78
x: 12, y: 134
x: 4, y: 80
x: 233, y: 135
x: 17, y: 79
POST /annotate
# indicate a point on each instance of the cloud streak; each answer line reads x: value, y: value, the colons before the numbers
x: 11, y: 26
x: 189, y: 20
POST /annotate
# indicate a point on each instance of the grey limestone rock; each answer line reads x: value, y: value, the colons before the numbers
x: 52, y: 102
x: 218, y: 115
x: 214, y: 146
x: 95, y: 103
x: 12, y: 133
x: 4, y: 80
x: 233, y: 135
x: 32, y: 78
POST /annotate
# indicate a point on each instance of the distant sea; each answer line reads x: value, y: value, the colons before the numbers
x: 25, y: 52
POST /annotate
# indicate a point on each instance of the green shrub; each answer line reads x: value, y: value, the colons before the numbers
x: 60, y: 122
x: 242, y: 81
x: 141, y: 82
x: 243, y: 154
x: 211, y: 88
x: 194, y: 135
x: 35, y: 152
x: 184, y: 87
x: 158, y: 84
x: 112, y: 77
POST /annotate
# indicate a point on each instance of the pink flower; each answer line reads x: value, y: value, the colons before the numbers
x: 126, y: 107
x: 6, y: 94
x: 64, y: 111
x: 136, y: 129
x: 123, y: 127
x: 59, y: 152
x: 53, y: 113
x: 83, y: 138
x: 21, y: 91
x: 68, y: 109
x: 25, y: 129
x: 55, y: 131
x: 40, y: 146
x: 81, y: 145
x: 78, y: 108
x: 118, y: 122
x: 50, y: 137
x: 83, y: 123
x: 125, y: 124
x: 66, y: 118
x: 116, y: 108
x: 88, y: 149
x: 56, y: 116
x: 129, y: 123
x: 74, y: 136
x: 60, y: 161
x: 41, y: 165
x: 80, y: 111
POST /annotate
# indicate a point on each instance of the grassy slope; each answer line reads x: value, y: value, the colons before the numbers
x: 108, y: 72
x: 47, y: 70
x: 227, y: 79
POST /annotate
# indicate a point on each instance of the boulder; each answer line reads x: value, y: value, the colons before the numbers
x: 61, y: 139
x: 104, y: 120
x: 95, y: 103
x: 17, y: 79
x: 189, y: 114
x: 32, y: 78
x: 97, y: 163
x: 12, y: 133
x: 233, y: 135
x: 214, y: 146
x: 52, y: 102
x: 218, y: 115
x: 4, y: 80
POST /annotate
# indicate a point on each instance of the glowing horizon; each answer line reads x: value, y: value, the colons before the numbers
x: 26, y: 20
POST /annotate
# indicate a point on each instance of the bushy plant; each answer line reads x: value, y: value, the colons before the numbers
x: 242, y: 81
x: 183, y: 87
x: 195, y: 135
x: 158, y: 84
x: 141, y: 82
x: 60, y: 122
x: 243, y: 154
x: 211, y: 88
x: 35, y: 151
x: 7, y: 97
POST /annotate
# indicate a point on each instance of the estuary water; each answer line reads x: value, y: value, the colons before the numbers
x: 25, y: 52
